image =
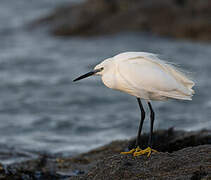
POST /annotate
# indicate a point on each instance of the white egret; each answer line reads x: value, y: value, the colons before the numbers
x: 146, y: 77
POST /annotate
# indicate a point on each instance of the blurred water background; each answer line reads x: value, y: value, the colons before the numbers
x: 41, y: 109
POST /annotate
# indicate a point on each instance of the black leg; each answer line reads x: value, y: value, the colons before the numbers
x: 141, y: 122
x: 152, y: 118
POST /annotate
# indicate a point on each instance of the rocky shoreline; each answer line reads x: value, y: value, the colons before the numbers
x: 175, y: 18
x: 182, y: 155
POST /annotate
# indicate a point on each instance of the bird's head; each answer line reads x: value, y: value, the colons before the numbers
x: 99, y: 69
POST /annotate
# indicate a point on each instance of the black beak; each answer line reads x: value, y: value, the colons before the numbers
x: 87, y: 74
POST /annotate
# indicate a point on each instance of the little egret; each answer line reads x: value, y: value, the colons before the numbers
x: 145, y: 76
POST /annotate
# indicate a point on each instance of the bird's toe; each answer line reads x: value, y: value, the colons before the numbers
x: 132, y: 151
x: 147, y: 151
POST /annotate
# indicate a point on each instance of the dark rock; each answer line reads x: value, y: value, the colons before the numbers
x: 177, y: 18
x: 183, y: 155
x: 188, y: 163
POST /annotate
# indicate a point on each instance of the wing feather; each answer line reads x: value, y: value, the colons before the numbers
x: 154, y: 76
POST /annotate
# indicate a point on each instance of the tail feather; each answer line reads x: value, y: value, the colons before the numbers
x: 181, y: 77
x: 176, y: 95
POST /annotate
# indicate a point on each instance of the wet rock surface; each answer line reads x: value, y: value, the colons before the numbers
x: 182, y: 155
x: 176, y: 18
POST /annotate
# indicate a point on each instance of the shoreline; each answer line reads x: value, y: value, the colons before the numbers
x: 181, y: 154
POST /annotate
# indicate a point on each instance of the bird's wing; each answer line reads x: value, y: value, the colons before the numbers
x: 166, y: 66
x: 144, y: 74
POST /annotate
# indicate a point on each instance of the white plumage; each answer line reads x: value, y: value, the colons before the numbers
x: 145, y: 76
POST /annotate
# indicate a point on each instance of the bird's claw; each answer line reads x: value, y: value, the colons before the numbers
x: 132, y: 151
x: 148, y: 150
x: 138, y: 151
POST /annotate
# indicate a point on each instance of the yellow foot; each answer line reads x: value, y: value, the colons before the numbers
x: 132, y: 151
x: 148, y: 150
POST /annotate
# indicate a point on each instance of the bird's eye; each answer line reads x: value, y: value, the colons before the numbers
x: 101, y: 68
